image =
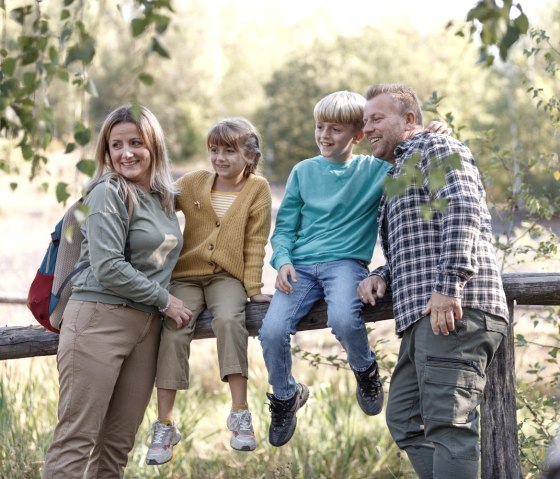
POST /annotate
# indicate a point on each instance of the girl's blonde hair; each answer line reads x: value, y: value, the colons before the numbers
x: 150, y: 129
x: 239, y: 134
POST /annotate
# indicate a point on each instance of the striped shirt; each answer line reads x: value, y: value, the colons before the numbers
x: 451, y: 252
x: 221, y: 202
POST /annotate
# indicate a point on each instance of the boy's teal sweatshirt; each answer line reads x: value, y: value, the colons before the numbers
x: 329, y: 211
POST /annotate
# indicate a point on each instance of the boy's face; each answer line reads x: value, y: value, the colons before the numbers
x: 335, y: 140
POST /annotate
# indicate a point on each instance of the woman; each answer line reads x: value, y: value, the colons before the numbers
x: 111, y: 326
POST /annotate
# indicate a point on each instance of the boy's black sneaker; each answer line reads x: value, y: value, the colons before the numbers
x: 283, y: 415
x: 370, y: 390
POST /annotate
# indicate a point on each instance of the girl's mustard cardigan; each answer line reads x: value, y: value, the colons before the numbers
x: 235, y: 243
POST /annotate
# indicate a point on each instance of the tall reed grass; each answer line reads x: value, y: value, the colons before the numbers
x: 334, y: 439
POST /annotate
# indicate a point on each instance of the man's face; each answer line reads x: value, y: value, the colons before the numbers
x: 384, y: 126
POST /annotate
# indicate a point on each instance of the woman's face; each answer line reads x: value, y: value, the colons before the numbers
x: 129, y: 154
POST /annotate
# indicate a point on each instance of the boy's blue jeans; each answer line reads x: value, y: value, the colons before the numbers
x: 336, y: 282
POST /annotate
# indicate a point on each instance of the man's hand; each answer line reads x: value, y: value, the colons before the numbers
x: 439, y: 127
x: 444, y: 311
x: 285, y: 273
x: 371, y: 289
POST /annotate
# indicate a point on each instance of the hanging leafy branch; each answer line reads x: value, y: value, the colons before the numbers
x: 46, y: 49
x: 497, y: 27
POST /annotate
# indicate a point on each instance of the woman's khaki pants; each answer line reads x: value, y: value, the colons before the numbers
x: 106, y: 362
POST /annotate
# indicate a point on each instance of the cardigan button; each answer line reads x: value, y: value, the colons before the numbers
x: 210, y: 246
x: 210, y: 263
x: 217, y: 224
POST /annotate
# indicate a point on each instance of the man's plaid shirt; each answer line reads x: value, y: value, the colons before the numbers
x: 451, y: 252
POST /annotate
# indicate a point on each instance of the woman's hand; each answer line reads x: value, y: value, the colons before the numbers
x: 261, y: 298
x: 178, y: 312
x: 440, y: 127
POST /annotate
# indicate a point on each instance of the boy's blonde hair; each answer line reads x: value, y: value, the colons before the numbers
x: 239, y: 134
x: 345, y: 107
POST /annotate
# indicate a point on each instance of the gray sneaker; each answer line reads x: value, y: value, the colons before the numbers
x: 242, y: 435
x: 163, y: 439
x: 283, y: 415
x: 370, y: 390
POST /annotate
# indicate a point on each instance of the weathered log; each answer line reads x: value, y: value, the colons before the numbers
x: 523, y: 288
x: 532, y: 288
x: 27, y: 341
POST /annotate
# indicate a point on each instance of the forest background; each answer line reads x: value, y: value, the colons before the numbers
x: 484, y: 67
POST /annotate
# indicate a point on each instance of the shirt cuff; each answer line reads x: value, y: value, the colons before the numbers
x: 449, y: 285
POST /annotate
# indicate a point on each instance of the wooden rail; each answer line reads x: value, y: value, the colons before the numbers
x: 499, y: 442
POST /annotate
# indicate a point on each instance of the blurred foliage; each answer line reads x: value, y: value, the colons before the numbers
x: 66, y: 64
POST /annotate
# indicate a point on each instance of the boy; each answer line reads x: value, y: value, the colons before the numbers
x: 324, y: 237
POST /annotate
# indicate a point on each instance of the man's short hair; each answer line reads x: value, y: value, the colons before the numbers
x: 404, y: 96
x: 345, y: 107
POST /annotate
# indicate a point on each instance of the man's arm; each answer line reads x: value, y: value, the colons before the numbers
x: 460, y: 229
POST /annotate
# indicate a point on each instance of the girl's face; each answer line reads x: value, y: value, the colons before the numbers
x: 228, y: 163
x: 129, y: 154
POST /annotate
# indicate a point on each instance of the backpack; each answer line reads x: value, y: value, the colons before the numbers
x: 52, y: 286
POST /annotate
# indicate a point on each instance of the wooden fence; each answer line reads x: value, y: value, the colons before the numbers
x: 499, y: 441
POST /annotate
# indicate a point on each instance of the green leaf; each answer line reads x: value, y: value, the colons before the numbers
x: 87, y: 167
x: 61, y: 192
x: 26, y: 151
x: 13, y: 186
x: 135, y: 110
x: 29, y: 80
x: 84, y: 51
x: 146, y: 79
x: 437, y: 179
x: 29, y: 55
x: 64, y: 15
x: 70, y: 147
x: 511, y: 36
x: 80, y: 213
x: 522, y: 23
x: 138, y: 26
x: 19, y: 14
x: 82, y: 134
x: 158, y: 48
x: 162, y: 22
x: 9, y: 66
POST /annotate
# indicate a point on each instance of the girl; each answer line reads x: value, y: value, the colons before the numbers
x: 227, y: 217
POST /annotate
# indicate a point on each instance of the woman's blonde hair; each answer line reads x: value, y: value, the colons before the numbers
x: 150, y: 129
x: 239, y: 134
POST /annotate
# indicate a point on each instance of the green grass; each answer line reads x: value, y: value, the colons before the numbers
x: 334, y: 439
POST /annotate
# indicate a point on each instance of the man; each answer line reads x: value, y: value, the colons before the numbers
x: 449, y: 304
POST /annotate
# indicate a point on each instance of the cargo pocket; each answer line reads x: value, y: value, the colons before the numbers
x: 451, y: 389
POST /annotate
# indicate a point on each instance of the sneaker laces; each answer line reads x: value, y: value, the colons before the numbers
x: 245, y: 421
x: 160, y: 431
x: 369, y: 383
x: 279, y: 412
x: 241, y: 421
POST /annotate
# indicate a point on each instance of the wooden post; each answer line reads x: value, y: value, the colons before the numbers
x: 499, y: 442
